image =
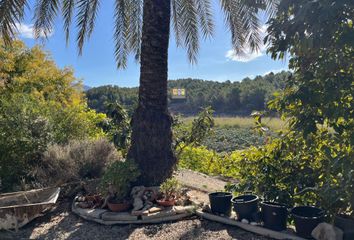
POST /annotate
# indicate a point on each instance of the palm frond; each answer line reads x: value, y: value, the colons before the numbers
x: 95, y: 4
x: 135, y: 21
x: 242, y: 19
x: 128, y: 30
x: 272, y: 7
x: 205, y: 17
x: 175, y: 14
x: 120, y: 33
x: 45, y: 13
x: 67, y: 10
x: 11, y: 13
x: 85, y: 20
x: 251, y: 25
x: 231, y: 9
x: 186, y: 26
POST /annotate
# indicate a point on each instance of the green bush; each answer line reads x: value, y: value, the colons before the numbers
x: 24, y: 135
x: 40, y: 105
x: 118, y: 179
x: 210, y: 162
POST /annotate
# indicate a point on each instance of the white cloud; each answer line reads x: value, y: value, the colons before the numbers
x: 248, y: 55
x: 26, y: 31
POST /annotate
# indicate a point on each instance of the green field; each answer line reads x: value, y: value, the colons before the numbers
x: 235, y: 133
x: 243, y: 122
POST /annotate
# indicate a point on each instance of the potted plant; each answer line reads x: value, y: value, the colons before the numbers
x: 117, y: 181
x: 306, y: 219
x: 246, y: 206
x: 274, y: 215
x: 220, y: 203
x: 169, y: 191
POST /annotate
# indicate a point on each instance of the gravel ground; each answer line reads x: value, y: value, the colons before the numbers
x: 62, y: 224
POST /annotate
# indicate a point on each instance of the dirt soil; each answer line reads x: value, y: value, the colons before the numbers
x: 61, y: 223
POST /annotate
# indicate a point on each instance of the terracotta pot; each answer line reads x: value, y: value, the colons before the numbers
x: 118, y: 207
x: 166, y: 203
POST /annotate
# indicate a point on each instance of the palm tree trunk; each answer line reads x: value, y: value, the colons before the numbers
x: 152, y: 136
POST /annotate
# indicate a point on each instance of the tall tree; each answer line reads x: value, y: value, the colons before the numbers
x: 142, y: 27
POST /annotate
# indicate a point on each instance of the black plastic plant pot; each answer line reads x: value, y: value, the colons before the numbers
x: 246, y: 206
x: 220, y: 203
x: 346, y: 223
x: 274, y: 215
x: 306, y: 219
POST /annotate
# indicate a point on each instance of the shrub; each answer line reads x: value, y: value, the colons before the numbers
x: 75, y: 161
x: 210, y: 162
x: 24, y: 136
x: 170, y: 188
x: 118, y: 178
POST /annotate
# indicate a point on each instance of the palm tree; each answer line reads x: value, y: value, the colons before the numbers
x: 142, y: 27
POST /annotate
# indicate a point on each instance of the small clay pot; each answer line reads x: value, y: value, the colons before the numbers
x: 166, y: 203
x: 119, y: 207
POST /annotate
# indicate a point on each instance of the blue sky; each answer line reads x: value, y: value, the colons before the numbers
x: 97, y: 66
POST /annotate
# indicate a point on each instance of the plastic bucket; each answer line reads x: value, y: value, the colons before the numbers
x: 220, y: 203
x: 306, y: 219
x: 274, y: 215
x: 245, y: 206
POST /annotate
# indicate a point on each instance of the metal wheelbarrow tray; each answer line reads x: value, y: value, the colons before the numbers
x: 19, y: 208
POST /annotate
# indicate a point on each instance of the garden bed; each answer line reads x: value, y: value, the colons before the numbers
x: 107, y: 217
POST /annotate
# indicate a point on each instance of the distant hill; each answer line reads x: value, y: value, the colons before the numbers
x: 86, y: 88
x: 228, y: 98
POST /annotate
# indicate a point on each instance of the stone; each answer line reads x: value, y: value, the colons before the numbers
x: 245, y: 221
x: 91, y: 213
x: 183, y: 209
x: 162, y: 214
x: 206, y: 208
x: 254, y: 223
x: 118, y: 216
x: 156, y: 209
x: 326, y: 231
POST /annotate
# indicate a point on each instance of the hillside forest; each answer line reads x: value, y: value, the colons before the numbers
x: 226, y: 98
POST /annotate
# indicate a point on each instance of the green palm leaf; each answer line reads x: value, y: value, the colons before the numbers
x: 11, y: 13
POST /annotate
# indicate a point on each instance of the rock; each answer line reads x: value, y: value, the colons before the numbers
x: 118, y: 216
x: 139, y: 212
x: 326, y: 231
x: 245, y: 221
x: 156, y: 209
x: 254, y: 223
x: 162, y: 214
x: 91, y: 213
x: 206, y: 208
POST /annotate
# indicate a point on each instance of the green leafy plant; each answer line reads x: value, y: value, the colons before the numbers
x: 118, y: 178
x: 193, y: 135
x: 311, y: 162
x: 170, y: 188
